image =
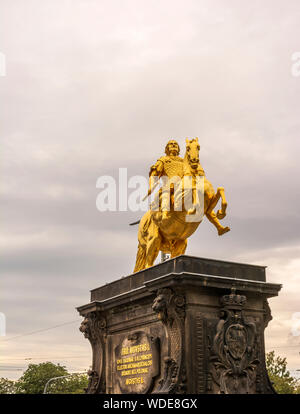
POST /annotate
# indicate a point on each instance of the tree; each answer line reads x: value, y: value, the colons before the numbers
x: 74, y: 384
x: 7, y: 386
x: 36, y: 376
x: 280, y: 376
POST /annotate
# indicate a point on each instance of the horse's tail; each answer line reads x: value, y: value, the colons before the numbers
x: 140, y: 258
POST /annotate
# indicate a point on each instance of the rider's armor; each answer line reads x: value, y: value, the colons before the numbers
x: 166, y: 166
x: 170, y: 166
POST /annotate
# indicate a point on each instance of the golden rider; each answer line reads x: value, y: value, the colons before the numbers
x: 169, y: 166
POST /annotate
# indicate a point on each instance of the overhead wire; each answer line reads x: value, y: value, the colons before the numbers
x: 39, y: 330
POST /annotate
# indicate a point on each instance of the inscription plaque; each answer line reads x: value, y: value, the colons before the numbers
x: 136, y: 363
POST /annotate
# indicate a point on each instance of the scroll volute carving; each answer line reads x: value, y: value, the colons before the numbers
x: 234, y: 359
x: 93, y: 328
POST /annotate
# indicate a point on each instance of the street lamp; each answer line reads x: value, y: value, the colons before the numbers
x: 62, y: 376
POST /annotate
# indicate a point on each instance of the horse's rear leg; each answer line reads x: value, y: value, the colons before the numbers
x: 153, y: 245
x: 140, y: 258
x: 178, y: 248
x: 152, y: 251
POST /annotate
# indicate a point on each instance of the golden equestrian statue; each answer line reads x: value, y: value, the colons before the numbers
x: 171, y: 219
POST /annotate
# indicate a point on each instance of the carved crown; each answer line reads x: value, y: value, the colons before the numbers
x: 233, y: 300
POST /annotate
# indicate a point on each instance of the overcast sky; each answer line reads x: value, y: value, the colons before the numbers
x: 95, y: 85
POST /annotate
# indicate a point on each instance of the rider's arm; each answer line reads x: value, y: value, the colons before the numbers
x: 155, y: 173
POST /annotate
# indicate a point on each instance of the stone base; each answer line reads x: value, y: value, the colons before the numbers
x: 188, y: 325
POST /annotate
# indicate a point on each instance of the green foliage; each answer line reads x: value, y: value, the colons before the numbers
x: 75, y: 384
x: 36, y: 376
x: 7, y: 386
x: 280, y: 376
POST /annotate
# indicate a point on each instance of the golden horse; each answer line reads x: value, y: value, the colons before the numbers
x: 170, y: 234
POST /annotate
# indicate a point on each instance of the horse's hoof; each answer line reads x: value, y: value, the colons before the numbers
x: 220, y: 214
x: 223, y: 230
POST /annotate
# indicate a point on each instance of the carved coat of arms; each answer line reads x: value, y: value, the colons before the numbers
x: 234, y: 356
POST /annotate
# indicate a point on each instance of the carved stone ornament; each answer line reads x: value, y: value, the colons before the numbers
x: 93, y: 382
x: 93, y: 328
x: 234, y: 358
x: 168, y: 384
x: 169, y: 306
x: 93, y: 325
x: 170, y: 309
x: 267, y: 313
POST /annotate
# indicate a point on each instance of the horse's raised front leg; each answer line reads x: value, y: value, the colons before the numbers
x: 212, y: 217
x: 178, y: 248
x: 222, y: 212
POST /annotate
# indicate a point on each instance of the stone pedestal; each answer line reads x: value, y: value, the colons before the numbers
x: 188, y: 325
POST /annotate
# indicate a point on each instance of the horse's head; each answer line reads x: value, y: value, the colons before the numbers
x: 192, y: 152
